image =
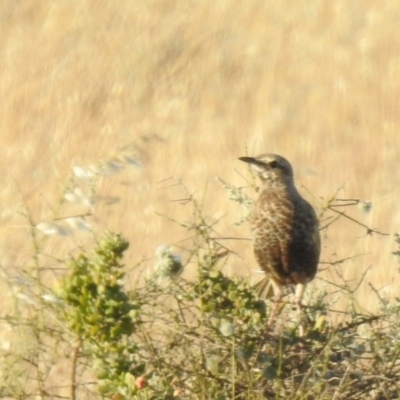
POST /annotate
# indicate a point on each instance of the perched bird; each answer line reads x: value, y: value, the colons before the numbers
x: 285, y: 230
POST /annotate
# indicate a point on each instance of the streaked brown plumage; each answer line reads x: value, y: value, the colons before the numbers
x: 285, y: 229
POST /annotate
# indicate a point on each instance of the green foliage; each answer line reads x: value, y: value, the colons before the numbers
x: 169, y: 337
x: 228, y: 298
x: 99, y: 312
x: 98, y: 306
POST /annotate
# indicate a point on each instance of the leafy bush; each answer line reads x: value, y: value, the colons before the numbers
x: 169, y: 337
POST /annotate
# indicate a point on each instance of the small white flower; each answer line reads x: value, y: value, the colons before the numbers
x: 27, y: 299
x: 51, y: 298
x: 72, y: 197
x: 78, y: 223
x: 83, y: 173
x: 168, y: 264
x: 226, y: 328
x: 50, y: 228
x: 79, y: 197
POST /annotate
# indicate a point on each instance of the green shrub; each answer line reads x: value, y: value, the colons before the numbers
x: 168, y: 337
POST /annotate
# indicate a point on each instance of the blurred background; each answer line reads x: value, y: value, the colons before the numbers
x: 182, y: 89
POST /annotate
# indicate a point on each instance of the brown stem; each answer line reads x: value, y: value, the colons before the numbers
x: 75, y: 356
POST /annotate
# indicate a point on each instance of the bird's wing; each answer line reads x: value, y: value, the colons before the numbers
x: 273, y: 259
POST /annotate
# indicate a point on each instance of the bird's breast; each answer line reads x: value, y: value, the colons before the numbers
x: 286, y: 238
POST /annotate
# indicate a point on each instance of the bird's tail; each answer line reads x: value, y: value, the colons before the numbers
x: 264, y: 288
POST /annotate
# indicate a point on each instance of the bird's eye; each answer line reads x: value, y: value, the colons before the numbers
x: 274, y: 164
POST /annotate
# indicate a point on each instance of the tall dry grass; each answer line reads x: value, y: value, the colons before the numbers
x: 186, y: 87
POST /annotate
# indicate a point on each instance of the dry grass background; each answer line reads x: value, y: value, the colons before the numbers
x: 188, y: 86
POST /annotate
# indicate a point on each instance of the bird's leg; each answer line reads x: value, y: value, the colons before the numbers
x: 278, y: 300
x: 300, y: 288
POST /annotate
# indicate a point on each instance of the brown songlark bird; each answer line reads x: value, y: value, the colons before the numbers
x: 285, y: 230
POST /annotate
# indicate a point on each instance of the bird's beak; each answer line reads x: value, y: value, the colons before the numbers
x: 249, y: 160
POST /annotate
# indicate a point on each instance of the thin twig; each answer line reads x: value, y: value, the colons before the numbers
x: 74, y: 361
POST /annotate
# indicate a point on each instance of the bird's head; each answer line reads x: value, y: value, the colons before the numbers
x: 271, y: 168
